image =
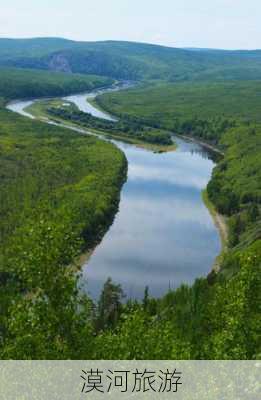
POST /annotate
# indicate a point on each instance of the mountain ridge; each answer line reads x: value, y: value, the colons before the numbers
x: 130, y: 60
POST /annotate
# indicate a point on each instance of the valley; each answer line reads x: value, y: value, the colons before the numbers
x: 120, y: 177
x: 170, y: 251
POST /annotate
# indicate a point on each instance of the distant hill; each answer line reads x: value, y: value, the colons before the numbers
x: 18, y: 83
x: 130, y: 60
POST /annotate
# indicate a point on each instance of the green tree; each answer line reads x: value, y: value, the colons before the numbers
x: 109, y: 306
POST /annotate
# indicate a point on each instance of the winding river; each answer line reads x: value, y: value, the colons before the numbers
x: 163, y: 235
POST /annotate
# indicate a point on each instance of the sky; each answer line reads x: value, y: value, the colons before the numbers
x: 227, y: 24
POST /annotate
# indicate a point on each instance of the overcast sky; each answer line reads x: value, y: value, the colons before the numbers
x: 230, y: 24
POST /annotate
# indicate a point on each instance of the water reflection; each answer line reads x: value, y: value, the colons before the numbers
x: 163, y: 234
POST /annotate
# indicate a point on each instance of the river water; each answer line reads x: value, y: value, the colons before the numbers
x: 163, y: 235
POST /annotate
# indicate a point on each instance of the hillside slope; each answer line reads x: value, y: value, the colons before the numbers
x: 59, y: 192
x: 224, y: 114
x: 18, y: 83
x: 129, y: 60
x: 189, y: 108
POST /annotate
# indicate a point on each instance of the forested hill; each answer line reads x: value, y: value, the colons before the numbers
x: 225, y: 114
x: 59, y: 193
x: 18, y: 83
x: 129, y: 60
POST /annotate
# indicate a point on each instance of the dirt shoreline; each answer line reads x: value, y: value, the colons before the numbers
x: 221, y: 224
x: 202, y: 143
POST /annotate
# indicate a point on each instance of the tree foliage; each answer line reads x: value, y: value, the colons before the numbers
x: 59, y: 193
x: 126, y: 127
x: 22, y: 83
x: 126, y: 60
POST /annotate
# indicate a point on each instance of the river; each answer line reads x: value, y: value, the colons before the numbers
x: 163, y: 235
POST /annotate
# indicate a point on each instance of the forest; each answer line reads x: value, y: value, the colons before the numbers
x: 59, y: 194
x: 203, y: 109
x: 224, y: 114
x: 125, y: 127
x: 131, y: 61
x: 18, y: 83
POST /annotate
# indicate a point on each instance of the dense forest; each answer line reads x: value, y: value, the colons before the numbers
x: 59, y: 193
x: 235, y: 185
x: 18, y: 83
x: 224, y: 114
x: 125, y: 127
x: 126, y: 60
x: 204, y: 110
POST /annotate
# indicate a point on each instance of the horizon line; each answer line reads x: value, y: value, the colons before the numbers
x: 187, y: 47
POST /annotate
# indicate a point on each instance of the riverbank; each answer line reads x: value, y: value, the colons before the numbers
x: 88, y: 248
x: 72, y: 186
x: 164, y: 238
x: 100, y: 106
x: 219, y: 219
x: 155, y: 148
x: 202, y: 143
x: 221, y: 224
x: 92, y: 101
x: 39, y: 110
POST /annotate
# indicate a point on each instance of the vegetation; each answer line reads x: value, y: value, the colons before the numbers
x: 218, y: 321
x: 59, y: 193
x: 18, y: 83
x: 216, y: 318
x: 125, y: 127
x: 204, y: 321
x: 126, y: 60
x: 224, y: 114
x: 204, y: 110
x: 235, y: 185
